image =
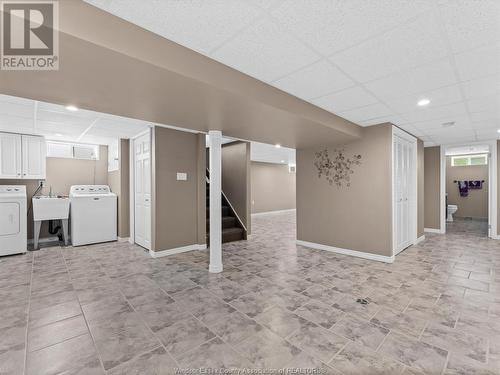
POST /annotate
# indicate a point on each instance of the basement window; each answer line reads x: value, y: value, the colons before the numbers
x: 469, y: 160
x: 72, y: 150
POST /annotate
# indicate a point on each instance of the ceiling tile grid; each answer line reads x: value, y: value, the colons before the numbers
x: 361, y: 59
x: 55, y: 122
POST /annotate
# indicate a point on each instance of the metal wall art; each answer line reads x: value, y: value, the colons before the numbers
x: 337, y: 170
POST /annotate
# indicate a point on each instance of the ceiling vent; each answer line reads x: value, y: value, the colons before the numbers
x: 448, y: 124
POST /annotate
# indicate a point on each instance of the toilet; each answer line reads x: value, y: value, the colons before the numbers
x: 452, y: 208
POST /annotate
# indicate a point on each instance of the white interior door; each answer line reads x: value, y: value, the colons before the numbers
x: 142, y: 191
x: 10, y: 156
x: 34, y: 155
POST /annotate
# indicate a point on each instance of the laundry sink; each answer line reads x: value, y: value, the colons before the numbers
x: 50, y: 208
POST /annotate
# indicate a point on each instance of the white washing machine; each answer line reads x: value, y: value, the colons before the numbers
x: 13, y: 220
x: 93, y: 214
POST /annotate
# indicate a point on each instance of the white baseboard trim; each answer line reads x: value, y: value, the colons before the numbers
x: 419, y: 239
x: 274, y: 212
x: 177, y: 250
x: 44, y: 240
x: 123, y: 239
x: 495, y: 237
x: 354, y: 253
x: 432, y: 230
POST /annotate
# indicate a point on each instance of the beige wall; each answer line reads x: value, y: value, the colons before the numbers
x: 358, y: 217
x: 119, y: 182
x: 176, y: 204
x: 273, y: 187
x: 420, y: 188
x: 62, y: 173
x: 236, y: 178
x: 124, y: 201
x: 432, y: 168
x: 475, y: 205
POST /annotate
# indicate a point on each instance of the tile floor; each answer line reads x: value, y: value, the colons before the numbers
x: 468, y: 226
x: 113, y: 309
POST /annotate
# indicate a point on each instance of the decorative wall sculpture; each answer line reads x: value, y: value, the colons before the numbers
x: 338, y: 170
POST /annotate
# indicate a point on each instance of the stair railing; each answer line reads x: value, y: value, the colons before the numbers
x: 230, y: 205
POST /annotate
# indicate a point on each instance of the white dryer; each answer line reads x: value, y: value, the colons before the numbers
x: 13, y: 220
x: 93, y: 214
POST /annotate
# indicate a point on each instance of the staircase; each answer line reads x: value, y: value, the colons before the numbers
x: 232, y: 230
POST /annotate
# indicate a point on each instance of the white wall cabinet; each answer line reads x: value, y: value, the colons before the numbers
x: 22, y: 156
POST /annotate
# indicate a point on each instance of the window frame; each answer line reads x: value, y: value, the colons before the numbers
x: 468, y: 159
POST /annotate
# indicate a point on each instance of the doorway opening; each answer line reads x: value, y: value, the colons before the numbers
x: 468, y: 179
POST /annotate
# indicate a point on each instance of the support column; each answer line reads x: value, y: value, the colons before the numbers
x: 215, y: 142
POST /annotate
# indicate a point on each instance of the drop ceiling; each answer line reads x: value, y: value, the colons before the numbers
x: 367, y: 61
x: 55, y: 122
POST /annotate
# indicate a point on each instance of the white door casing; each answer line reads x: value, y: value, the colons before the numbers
x: 142, y: 190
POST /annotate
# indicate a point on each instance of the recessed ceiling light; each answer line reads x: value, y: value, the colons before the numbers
x: 72, y: 108
x: 58, y: 135
x: 423, y: 102
x: 498, y: 131
x: 277, y: 145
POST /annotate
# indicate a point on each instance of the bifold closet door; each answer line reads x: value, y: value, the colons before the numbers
x: 398, y: 190
x: 402, y: 187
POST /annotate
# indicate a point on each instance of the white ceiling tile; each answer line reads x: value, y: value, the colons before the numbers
x: 64, y: 119
x: 487, y: 134
x: 449, y: 111
x: 61, y: 127
x: 330, y: 26
x: 17, y: 109
x: 344, y: 100
x: 439, y: 97
x: 414, y: 81
x: 488, y: 124
x: 488, y: 103
x: 485, y: 116
x: 15, y: 100
x: 404, y: 47
x: 481, y: 87
x: 11, y: 122
x: 265, y: 51
x: 197, y: 24
x: 394, y: 119
x: 471, y: 23
x: 266, y: 4
x: 460, y: 122
x: 368, y: 112
x: 478, y: 62
x: 314, y: 81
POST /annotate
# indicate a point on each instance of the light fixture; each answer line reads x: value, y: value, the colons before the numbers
x: 277, y: 145
x: 282, y: 161
x: 423, y: 102
x: 498, y: 130
x: 72, y: 108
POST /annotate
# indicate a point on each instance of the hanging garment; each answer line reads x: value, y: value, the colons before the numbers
x: 463, y: 188
x: 475, y: 184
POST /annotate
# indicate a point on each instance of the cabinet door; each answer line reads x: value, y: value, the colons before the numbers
x: 10, y: 156
x: 34, y: 155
